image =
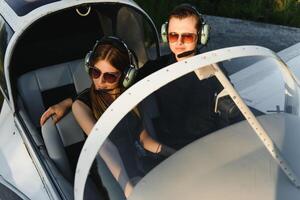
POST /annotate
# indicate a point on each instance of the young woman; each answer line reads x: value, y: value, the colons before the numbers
x: 108, y: 65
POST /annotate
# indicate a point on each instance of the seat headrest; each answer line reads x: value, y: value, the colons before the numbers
x: 44, y: 87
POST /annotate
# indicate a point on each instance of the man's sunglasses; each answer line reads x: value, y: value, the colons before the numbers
x: 185, y: 37
x: 110, y: 77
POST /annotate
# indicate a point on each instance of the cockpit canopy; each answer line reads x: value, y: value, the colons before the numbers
x: 69, y: 33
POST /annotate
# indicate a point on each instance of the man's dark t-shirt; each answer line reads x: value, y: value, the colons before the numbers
x: 185, y: 105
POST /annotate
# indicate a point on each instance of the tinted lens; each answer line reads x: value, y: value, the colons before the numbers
x: 94, y: 72
x: 185, y: 37
x: 173, y: 37
x: 110, y: 77
x: 188, y: 37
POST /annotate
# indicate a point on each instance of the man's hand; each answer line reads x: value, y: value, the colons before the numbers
x: 57, y: 111
x: 166, y: 151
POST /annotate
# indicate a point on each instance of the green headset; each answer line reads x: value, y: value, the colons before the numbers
x: 130, y: 72
x: 203, y: 34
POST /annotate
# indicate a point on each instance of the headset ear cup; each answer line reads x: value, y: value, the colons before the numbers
x: 204, y: 34
x: 129, y: 76
x: 164, y: 32
x: 87, y: 61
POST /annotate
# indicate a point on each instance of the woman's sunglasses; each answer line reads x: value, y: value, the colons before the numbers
x: 185, y: 37
x: 110, y: 77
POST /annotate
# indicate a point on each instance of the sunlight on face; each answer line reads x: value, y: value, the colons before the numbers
x: 180, y: 26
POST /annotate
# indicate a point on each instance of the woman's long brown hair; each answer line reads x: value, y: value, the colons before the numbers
x: 117, y: 59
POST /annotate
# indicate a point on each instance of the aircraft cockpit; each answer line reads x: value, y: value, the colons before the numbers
x: 243, y: 138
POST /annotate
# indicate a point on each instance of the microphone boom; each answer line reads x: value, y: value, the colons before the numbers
x: 187, y: 53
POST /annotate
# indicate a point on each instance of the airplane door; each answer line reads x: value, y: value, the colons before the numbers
x: 17, y: 170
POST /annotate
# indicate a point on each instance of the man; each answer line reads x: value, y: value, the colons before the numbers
x: 183, y: 32
x: 185, y: 105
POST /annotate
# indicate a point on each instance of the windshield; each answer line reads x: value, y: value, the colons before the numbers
x: 189, y: 100
x: 266, y: 86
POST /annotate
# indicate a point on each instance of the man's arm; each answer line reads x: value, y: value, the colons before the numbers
x: 154, y: 146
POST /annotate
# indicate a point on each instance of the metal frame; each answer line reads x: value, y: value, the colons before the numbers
x: 13, y: 188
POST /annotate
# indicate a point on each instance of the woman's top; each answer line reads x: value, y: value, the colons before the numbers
x: 124, y: 136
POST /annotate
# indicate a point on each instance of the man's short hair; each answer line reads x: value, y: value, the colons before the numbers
x: 186, y: 10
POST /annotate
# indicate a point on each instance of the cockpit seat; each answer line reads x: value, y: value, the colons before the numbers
x: 62, y: 141
x: 47, y: 86
x: 38, y: 90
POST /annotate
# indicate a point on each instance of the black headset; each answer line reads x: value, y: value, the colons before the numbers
x: 130, y: 71
x: 203, y: 34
